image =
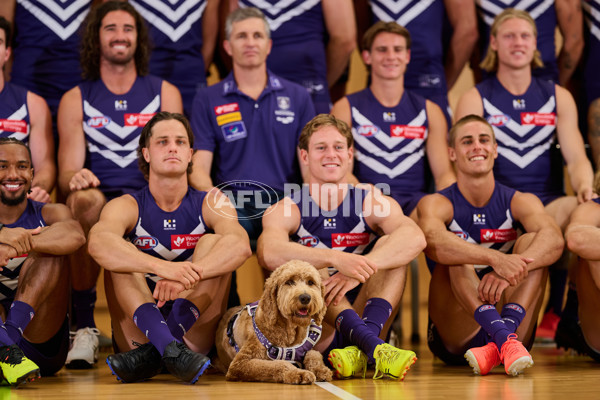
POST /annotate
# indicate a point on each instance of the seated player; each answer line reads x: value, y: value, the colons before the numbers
x: 167, y: 242
x: 332, y: 224
x: 34, y: 280
x: 483, y: 264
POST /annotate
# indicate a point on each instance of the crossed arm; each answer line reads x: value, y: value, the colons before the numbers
x: 62, y: 235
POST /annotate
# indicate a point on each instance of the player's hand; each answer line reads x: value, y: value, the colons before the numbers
x: 166, y: 290
x: 184, y: 272
x: 336, y: 287
x: 38, y: 194
x: 586, y: 194
x: 6, y: 253
x: 83, y: 179
x: 512, y: 267
x: 491, y: 288
x: 20, y: 239
x: 354, y: 266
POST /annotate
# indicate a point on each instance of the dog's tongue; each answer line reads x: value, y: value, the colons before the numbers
x: 303, y: 311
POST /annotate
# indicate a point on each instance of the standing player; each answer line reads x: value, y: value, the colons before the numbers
x: 333, y: 225
x: 46, y: 46
x: 437, y: 59
x: 25, y: 116
x: 488, y: 284
x: 99, y: 123
x: 183, y: 35
x: 171, y: 242
x: 548, y: 15
x: 395, y: 131
x: 34, y: 282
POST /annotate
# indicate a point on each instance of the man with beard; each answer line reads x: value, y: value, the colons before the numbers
x: 34, y: 288
x: 99, y: 124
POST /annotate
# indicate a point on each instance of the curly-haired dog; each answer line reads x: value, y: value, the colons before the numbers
x: 275, y: 337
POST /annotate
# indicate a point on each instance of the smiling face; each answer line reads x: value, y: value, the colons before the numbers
x: 328, y: 156
x: 388, y: 57
x: 168, y: 149
x: 474, y: 149
x: 515, y: 43
x: 16, y: 174
x: 118, y: 37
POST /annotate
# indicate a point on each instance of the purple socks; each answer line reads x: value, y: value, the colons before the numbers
x: 487, y: 316
x: 512, y: 315
x: 19, y: 316
x: 182, y: 317
x: 150, y: 321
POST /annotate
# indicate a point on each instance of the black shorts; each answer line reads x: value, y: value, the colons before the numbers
x: 51, y: 355
x: 437, y: 347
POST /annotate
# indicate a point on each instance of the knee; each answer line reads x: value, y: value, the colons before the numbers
x: 86, y: 205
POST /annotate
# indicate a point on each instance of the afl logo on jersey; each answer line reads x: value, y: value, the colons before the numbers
x: 367, y: 130
x: 98, y: 122
x: 309, y: 241
x: 498, y: 120
x: 145, y: 242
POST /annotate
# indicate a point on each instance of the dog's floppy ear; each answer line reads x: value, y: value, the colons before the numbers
x: 268, y: 300
x: 320, y: 315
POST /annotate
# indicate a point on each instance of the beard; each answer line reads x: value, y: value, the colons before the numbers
x: 15, y: 201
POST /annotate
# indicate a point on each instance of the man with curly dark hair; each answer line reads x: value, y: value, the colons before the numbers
x: 99, y: 124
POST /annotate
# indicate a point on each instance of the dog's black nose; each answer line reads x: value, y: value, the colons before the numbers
x: 304, y: 298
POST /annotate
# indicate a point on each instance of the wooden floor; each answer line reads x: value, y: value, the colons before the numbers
x: 555, y: 375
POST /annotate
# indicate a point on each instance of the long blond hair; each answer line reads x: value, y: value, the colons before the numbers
x: 490, y: 62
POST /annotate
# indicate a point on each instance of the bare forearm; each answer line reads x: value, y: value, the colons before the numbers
x: 271, y: 256
x: 338, y: 56
x: 122, y: 257
x: 228, y: 254
x: 461, y: 47
x: 546, y: 248
x: 59, y: 239
x: 455, y: 251
x: 581, y: 174
x: 399, y: 249
x: 45, y: 178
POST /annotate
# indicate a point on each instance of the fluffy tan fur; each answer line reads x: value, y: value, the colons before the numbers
x: 284, y: 320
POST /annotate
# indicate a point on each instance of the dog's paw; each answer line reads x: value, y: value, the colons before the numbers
x: 323, y: 374
x: 299, y: 377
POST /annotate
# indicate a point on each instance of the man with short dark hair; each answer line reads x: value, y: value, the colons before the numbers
x: 25, y: 116
x: 482, y: 261
x: 171, y: 243
x: 247, y: 126
x: 34, y: 282
x: 99, y: 123
x: 397, y: 133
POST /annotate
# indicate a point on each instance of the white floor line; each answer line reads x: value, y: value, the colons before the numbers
x: 336, y: 391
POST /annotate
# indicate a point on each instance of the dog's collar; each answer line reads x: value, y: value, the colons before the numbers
x: 294, y: 354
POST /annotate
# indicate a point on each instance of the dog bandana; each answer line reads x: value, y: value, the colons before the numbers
x: 295, y: 354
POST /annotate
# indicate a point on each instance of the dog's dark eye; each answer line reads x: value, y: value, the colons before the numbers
x: 310, y: 283
x: 290, y: 283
